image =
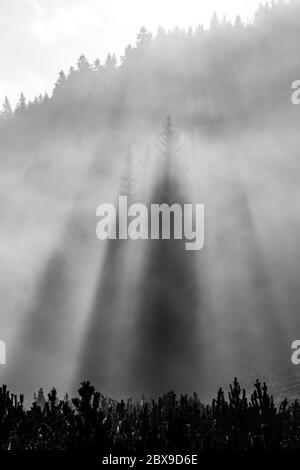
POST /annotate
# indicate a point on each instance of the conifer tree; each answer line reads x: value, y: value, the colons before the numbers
x: 83, y: 64
x: 143, y: 37
x: 111, y: 62
x: 6, y: 109
x: 97, y: 65
x: 60, y: 82
x: 128, y: 185
x: 168, y: 145
x: 214, y: 22
x: 40, y: 399
x: 21, y: 106
x: 238, y: 23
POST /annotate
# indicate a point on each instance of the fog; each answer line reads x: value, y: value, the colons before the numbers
x: 145, y: 316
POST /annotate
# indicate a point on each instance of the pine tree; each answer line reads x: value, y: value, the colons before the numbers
x: 40, y: 399
x: 6, y: 109
x: 238, y: 24
x: 161, y: 34
x: 111, y: 62
x: 178, y: 33
x: 46, y: 98
x: 53, y: 399
x: 71, y: 72
x: 143, y: 37
x: 173, y: 168
x: 128, y: 184
x: 214, y: 22
x: 97, y: 65
x: 168, y: 142
x: 83, y: 64
x: 21, y: 106
x: 60, y: 82
x: 127, y: 54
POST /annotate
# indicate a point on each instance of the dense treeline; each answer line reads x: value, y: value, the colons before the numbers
x: 171, y: 424
x: 227, y: 74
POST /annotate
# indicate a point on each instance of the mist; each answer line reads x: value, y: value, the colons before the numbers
x: 145, y: 316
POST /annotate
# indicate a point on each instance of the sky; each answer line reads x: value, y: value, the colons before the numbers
x: 41, y: 37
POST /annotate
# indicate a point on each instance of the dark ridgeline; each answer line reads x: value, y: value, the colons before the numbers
x: 168, y: 317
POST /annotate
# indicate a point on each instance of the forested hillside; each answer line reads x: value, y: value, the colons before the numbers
x: 210, y: 80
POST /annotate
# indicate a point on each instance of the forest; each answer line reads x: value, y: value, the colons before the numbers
x: 129, y: 316
x: 169, y: 424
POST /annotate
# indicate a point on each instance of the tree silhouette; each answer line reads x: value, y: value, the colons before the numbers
x: 143, y: 36
x: 111, y: 62
x: 6, y: 109
x: 129, y: 183
x: 21, y: 105
x: 40, y: 399
x: 83, y: 64
x: 61, y: 81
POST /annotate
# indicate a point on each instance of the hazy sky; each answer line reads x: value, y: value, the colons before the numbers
x: 41, y: 37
